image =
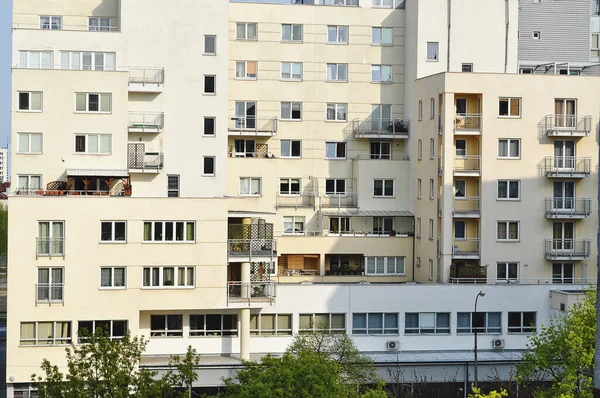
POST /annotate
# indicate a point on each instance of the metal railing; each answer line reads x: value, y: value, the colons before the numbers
x: 252, y: 248
x: 466, y: 205
x: 83, y: 28
x: 567, y: 124
x: 259, y: 291
x: 380, y: 128
x: 522, y: 281
x: 567, y: 248
x: 296, y: 200
x: 471, y: 281
x: 146, y: 122
x: 149, y: 161
x: 467, y: 121
x: 338, y: 200
x: 565, y: 166
x: 253, y: 125
x: 49, y: 293
x: 50, y: 247
x: 71, y: 192
x: 466, y: 247
x: 568, y: 207
x: 467, y: 164
x: 382, y: 156
x: 143, y: 76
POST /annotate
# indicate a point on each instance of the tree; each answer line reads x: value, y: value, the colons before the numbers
x: 563, y: 352
x: 476, y: 393
x: 3, y: 229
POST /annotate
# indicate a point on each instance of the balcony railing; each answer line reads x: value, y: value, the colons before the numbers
x: 567, y: 249
x: 523, y: 281
x: 465, y: 165
x: 146, y: 162
x: 466, y: 247
x: 147, y: 76
x: 250, y: 231
x: 468, y: 206
x: 296, y: 200
x: 567, y: 125
x: 49, y: 293
x: 380, y: 128
x: 568, y: 207
x: 339, y: 200
x: 252, y: 125
x: 467, y: 281
x: 566, y: 166
x: 252, y: 248
x: 50, y: 247
x: 259, y: 292
x: 468, y: 122
x: 146, y: 122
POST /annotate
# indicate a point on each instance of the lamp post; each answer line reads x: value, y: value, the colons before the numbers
x: 480, y: 294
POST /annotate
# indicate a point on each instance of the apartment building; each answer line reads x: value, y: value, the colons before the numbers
x: 3, y: 164
x: 249, y: 172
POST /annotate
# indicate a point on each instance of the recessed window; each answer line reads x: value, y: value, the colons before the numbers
x: 337, y: 34
x: 169, y: 231
x: 209, y: 166
x: 113, y: 231
x: 250, y: 186
x: 339, y: 225
x: 267, y: 325
x: 93, y: 102
x: 209, y: 125
x: 509, y: 148
x: 45, y: 333
x: 562, y: 273
x: 460, y: 189
x: 460, y: 230
x: 382, y: 36
x: 173, y: 186
x: 521, y: 322
x: 291, y: 111
x: 210, y: 325
x: 461, y: 148
x: 96, y: 24
x: 508, y: 231
x: 29, y: 143
x: 246, y: 70
x: 293, y: 225
x: 246, y: 31
x: 93, y: 143
x: 431, y: 189
x: 330, y: 323
x: 432, y: 51
x: 210, y: 45
x: 291, y: 71
x: 166, y: 325
x: 420, y: 110
x: 595, y: 45
x: 336, y: 112
x: 210, y: 82
x: 432, y: 108
x: 291, y: 33
x: 381, y: 73
x: 383, y: 188
x: 335, y: 187
x: 291, y: 148
x: 509, y: 189
x: 289, y: 186
x: 507, y: 272
x: 112, y: 329
x: 526, y: 71
x: 383, y: 225
x: 244, y: 148
x: 375, y: 323
x: 427, y: 323
x: 337, y: 72
x: 419, y: 188
x: 168, y: 277
x: 36, y: 59
x: 432, y: 148
x: 419, y: 149
x: 385, y: 266
x: 537, y: 35
x: 50, y: 22
x: 335, y: 150
x: 467, y: 68
x: 30, y: 101
x: 430, y: 229
x: 509, y: 107
x: 418, y: 228
x: 381, y: 150
x: 78, y: 60
x: 113, y: 277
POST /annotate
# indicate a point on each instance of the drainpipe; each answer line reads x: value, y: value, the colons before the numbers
x: 507, y: 21
x: 449, y: 25
x: 414, y: 246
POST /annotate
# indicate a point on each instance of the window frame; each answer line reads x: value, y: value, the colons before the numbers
x: 290, y: 181
x: 53, y: 341
x: 29, y: 184
x: 166, y: 332
x: 41, y: 54
x: 153, y: 284
x: 113, y: 232
x: 486, y: 328
x: 111, y: 330
x: 384, y: 182
x: 505, y: 266
x: 291, y: 109
x: 214, y: 37
x: 507, y: 224
x: 214, y: 166
x: 29, y: 135
x: 436, y: 56
x: 328, y: 329
x: 260, y: 332
x: 381, y: 70
x: 336, y: 143
x: 291, y: 149
x: 100, y: 27
x: 337, y: 34
x: 508, y: 183
x: 100, y: 99
x: 336, y: 107
x: 508, y: 110
x: 164, y: 223
x: 380, y: 154
x: 373, y: 331
x: 87, y: 137
x: 214, y: 84
x: 292, y: 39
x: 399, y: 263
x: 246, y: 25
x: 468, y: 66
x: 381, y: 29
x: 50, y: 25
x: 113, y: 285
x: 336, y: 78
x: 291, y: 66
x: 381, y: 5
x: 335, y: 184
x: 93, y: 65
x: 424, y: 331
x: 205, y: 332
x: 51, y: 285
x: 173, y: 192
x: 29, y: 101
x: 294, y: 221
x: 509, y: 156
x: 251, y: 179
x: 465, y: 229
x: 521, y: 328
x: 214, y: 126
x: 246, y: 76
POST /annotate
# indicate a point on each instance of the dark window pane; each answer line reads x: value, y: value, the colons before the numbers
x: 119, y: 328
x: 106, y: 231
x: 295, y: 148
x: 80, y: 143
x: 93, y: 102
x: 24, y: 101
x: 209, y: 84
x: 209, y: 165
x: 157, y: 322
x: 209, y: 125
x: 213, y: 323
x: 120, y: 231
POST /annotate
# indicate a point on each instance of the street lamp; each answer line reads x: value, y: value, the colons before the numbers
x: 480, y: 294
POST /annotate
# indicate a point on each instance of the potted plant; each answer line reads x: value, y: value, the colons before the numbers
x: 392, y: 233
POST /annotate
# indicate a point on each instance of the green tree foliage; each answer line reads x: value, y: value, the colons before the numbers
x: 476, y: 393
x: 563, y: 352
x: 3, y: 230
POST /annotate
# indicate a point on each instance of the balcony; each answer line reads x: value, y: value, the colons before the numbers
x: 566, y: 167
x: 339, y: 200
x: 146, y: 80
x: 467, y: 207
x: 50, y: 247
x: 567, y: 125
x: 467, y: 124
x: 142, y: 161
x: 84, y: 182
x: 49, y: 293
x: 568, y: 208
x: 468, y: 273
x: 251, y: 250
x: 568, y: 249
x: 466, y: 248
x: 296, y: 200
x: 261, y: 151
x: 467, y: 166
x: 146, y: 122
x: 252, y: 126
x: 380, y: 128
x: 252, y: 292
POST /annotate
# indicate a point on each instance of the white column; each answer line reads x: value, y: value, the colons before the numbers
x: 245, y: 334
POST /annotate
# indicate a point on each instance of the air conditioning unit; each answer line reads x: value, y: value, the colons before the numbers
x: 393, y: 345
x: 498, y: 343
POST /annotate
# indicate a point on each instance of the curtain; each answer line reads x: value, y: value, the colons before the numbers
x: 109, y: 61
x: 36, y: 101
x: 513, y: 230
x: 286, y: 70
x: 46, y: 332
x: 251, y: 72
x: 251, y: 31
x: 24, y: 143
x: 502, y: 230
x: 267, y: 324
x: 377, y: 33
x: 286, y: 32
x: 105, y: 103
x: 411, y: 321
x: 332, y: 72
x: 87, y: 61
x: 181, y: 276
x: 99, y: 61
x: 58, y: 237
x: 284, y: 324
x: 305, y: 322
x: 80, y: 102
x: 443, y: 321
x: 190, y: 231
x: 43, y: 281
x: 27, y: 333
x: 92, y: 143
x: 105, y: 277
x: 168, y: 276
x: 240, y: 69
x: 147, y: 231
x: 179, y: 230
x: 75, y: 61
x: 46, y: 60
x: 119, y: 275
x: 503, y: 148
x: 190, y: 276
x: 297, y: 32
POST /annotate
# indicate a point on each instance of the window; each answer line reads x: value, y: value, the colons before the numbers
x: 508, y: 230
x: 526, y: 71
x: 509, y: 149
x: 337, y: 72
x: 430, y: 229
x: 291, y: 71
x: 246, y: 31
x: 113, y: 329
x: 291, y: 111
x: 246, y: 70
x: 213, y: 325
x: 521, y: 322
x: 337, y: 34
x: 509, y: 189
x: 381, y: 73
x: 484, y: 322
x: 507, y: 272
x: 375, y: 323
x: 385, y: 266
x: 293, y: 225
x: 338, y: 225
x: 99, y: 24
x: 460, y: 230
x: 210, y: 45
x: 29, y: 182
x: 209, y: 166
x: 113, y: 277
x: 382, y: 36
x: 291, y: 148
x: 289, y: 186
x: 335, y: 187
x: 45, y: 333
x: 168, y: 277
x: 432, y: 108
x: 50, y: 284
x: 383, y: 225
x: 166, y: 325
x: 335, y: 150
x: 383, y: 3
x: 250, y: 186
x: 36, y: 59
x: 30, y: 143
x: 430, y: 269
x: 92, y: 143
x: 330, y: 323
x: 113, y: 231
x: 381, y: 150
x: 467, y: 68
x: 244, y: 148
x: 432, y: 51
x: 418, y: 233
x: 383, y: 188
x: 50, y: 22
x: 291, y: 33
x: 460, y: 189
x: 432, y: 148
x: 595, y: 48
x: 271, y: 324
x: 77, y: 60
x: 420, y: 149
x: 419, y: 189
x: 169, y: 231
x: 427, y: 323
x: 209, y: 125
x: 173, y: 186
x: 562, y: 273
x: 340, y: 2
x: 431, y: 189
x: 420, y: 110
x: 509, y: 107
x: 93, y: 102
x: 51, y: 238
x: 537, y: 35
x: 336, y: 112
x: 461, y: 148
x: 210, y: 84
x: 30, y: 101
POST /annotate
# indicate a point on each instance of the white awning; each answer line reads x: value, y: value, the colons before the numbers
x: 97, y: 173
x: 366, y: 213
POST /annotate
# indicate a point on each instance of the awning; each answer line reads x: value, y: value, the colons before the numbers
x: 97, y: 173
x: 366, y: 213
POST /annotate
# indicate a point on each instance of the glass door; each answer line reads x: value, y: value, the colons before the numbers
x: 565, y: 112
x: 564, y: 154
x: 381, y: 117
x: 245, y: 115
x: 564, y: 195
x: 563, y: 234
